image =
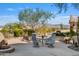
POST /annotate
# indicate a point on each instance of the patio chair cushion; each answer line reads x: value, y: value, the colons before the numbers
x: 50, y: 41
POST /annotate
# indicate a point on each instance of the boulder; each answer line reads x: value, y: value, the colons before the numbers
x: 1, y: 37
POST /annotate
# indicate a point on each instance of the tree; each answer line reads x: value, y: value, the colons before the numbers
x: 61, y: 7
x: 64, y: 6
x: 33, y: 16
x: 46, y: 15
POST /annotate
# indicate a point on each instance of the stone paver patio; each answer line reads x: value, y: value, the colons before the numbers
x: 26, y: 49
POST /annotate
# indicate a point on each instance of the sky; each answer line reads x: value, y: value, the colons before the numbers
x: 9, y: 12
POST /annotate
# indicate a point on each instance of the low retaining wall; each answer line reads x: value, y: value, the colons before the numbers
x: 9, y: 50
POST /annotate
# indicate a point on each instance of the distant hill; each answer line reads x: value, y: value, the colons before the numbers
x: 1, y: 26
x: 58, y: 26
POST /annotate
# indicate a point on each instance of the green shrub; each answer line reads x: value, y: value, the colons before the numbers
x: 5, y: 32
x: 66, y: 33
x: 30, y: 31
x: 18, y: 32
x: 58, y: 33
x: 72, y: 32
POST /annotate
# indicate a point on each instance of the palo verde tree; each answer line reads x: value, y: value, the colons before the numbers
x: 65, y: 6
x: 33, y: 16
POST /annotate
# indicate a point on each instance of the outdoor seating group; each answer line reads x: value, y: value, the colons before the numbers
x: 45, y: 41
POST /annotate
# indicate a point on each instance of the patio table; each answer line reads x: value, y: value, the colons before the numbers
x: 42, y: 39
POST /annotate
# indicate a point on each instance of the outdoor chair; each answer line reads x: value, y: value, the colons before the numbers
x: 34, y: 39
x: 50, y: 41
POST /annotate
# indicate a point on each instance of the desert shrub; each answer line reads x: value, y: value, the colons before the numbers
x: 30, y: 31
x: 66, y: 33
x: 72, y: 32
x: 5, y: 32
x: 59, y: 33
x: 18, y: 32
x: 13, y: 29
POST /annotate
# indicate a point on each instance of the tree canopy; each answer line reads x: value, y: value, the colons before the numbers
x: 33, y: 16
x: 64, y: 6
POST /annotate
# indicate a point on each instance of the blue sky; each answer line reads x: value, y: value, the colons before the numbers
x: 9, y: 12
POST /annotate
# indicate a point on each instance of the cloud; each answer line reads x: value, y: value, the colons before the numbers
x: 10, y: 9
x: 15, y: 9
